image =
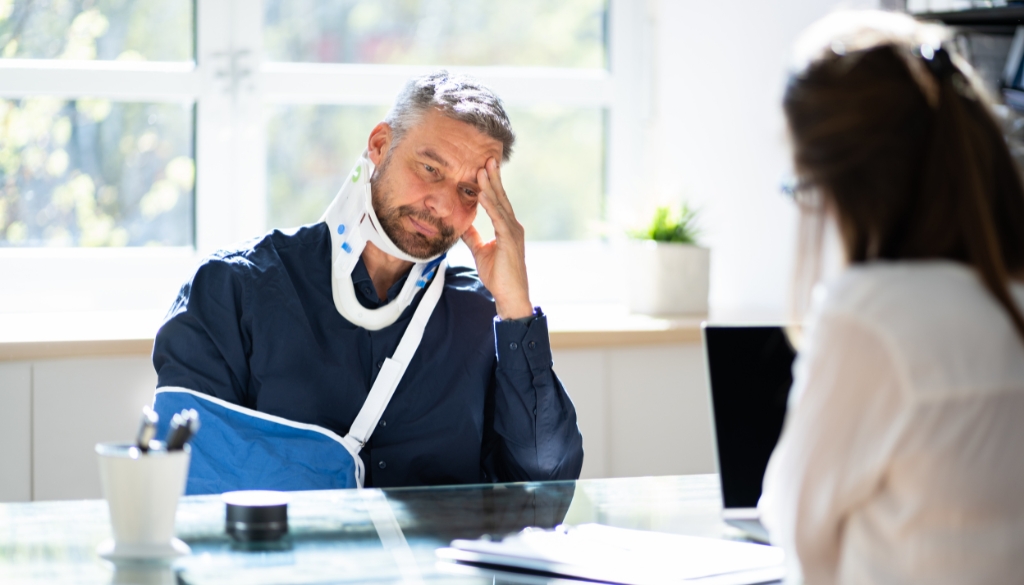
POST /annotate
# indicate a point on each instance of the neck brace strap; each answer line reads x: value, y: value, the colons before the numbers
x: 353, y: 222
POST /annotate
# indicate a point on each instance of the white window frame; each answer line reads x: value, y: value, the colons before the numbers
x: 231, y: 85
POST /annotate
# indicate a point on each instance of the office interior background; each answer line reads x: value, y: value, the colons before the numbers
x: 136, y: 137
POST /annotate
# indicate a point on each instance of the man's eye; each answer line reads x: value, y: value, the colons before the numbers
x: 469, y: 192
x: 429, y: 169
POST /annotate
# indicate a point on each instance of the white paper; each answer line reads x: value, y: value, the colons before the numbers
x: 628, y: 556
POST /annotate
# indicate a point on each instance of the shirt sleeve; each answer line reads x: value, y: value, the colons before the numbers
x: 536, y: 437
x: 205, y: 341
x: 846, y: 413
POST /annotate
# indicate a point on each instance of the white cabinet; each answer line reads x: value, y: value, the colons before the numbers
x: 15, y: 432
x: 76, y: 404
x: 643, y: 410
x: 660, y: 417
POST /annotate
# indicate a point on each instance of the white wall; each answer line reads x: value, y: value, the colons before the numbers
x: 717, y: 137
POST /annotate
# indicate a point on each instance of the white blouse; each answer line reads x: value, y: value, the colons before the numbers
x: 902, y: 456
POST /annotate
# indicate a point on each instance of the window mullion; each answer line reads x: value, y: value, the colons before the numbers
x: 630, y: 42
x: 230, y: 151
x: 151, y: 82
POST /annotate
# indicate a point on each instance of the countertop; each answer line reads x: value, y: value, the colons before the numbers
x: 36, y: 336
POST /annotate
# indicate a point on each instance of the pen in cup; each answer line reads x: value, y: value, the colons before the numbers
x: 183, y: 427
x: 147, y: 430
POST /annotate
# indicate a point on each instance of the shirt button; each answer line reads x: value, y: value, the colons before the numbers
x: 380, y: 364
x: 383, y: 423
x: 532, y: 345
x: 382, y: 465
x: 367, y: 291
x: 513, y: 346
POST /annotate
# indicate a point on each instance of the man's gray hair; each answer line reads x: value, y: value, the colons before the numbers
x: 458, y: 97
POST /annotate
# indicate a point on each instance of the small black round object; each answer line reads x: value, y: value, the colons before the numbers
x: 256, y: 515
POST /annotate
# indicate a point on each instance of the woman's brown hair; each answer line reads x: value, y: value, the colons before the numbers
x: 899, y: 140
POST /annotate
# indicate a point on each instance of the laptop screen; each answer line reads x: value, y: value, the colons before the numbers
x: 750, y: 372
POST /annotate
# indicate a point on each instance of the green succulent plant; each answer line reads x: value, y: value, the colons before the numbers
x: 671, y: 224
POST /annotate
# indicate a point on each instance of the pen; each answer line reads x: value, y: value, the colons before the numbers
x: 147, y: 430
x: 183, y: 427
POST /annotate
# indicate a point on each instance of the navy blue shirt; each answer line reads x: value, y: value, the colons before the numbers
x: 479, y: 402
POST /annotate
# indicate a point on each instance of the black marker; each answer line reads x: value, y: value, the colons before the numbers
x: 183, y: 427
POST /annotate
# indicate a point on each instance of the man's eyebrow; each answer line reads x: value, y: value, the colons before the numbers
x: 427, y: 152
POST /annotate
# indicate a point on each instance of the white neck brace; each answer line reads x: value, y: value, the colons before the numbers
x: 353, y: 222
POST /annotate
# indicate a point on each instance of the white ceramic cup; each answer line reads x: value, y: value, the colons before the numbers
x: 142, y: 491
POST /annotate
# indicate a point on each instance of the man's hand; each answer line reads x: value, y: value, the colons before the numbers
x: 501, y: 262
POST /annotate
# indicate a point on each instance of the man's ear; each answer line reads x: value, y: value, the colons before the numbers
x: 379, y: 143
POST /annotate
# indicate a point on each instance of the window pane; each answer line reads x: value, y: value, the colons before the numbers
x: 311, y: 149
x: 544, y: 33
x: 90, y: 172
x: 554, y: 179
x: 152, y: 30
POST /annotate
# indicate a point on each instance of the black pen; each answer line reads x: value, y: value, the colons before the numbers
x: 183, y: 427
x: 147, y: 430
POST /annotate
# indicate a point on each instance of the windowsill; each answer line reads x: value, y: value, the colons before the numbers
x: 37, y: 336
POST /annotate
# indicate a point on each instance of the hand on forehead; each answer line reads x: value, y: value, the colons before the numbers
x: 458, y: 148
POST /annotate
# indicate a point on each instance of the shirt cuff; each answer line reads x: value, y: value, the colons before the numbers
x: 523, y: 344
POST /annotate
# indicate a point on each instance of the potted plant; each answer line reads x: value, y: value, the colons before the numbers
x: 670, y: 268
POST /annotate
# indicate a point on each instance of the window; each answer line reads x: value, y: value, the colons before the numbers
x: 79, y: 170
x: 188, y: 126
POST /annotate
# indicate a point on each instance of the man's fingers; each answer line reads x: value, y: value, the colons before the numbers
x: 493, y: 191
x: 490, y: 201
x: 494, y: 174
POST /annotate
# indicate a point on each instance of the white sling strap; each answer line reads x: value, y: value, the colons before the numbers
x: 394, y: 368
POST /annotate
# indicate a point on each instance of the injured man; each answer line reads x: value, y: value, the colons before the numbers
x: 347, y: 353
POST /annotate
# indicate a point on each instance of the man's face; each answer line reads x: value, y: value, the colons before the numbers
x: 425, y: 190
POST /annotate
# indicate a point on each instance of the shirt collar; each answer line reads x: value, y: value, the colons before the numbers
x: 365, y: 291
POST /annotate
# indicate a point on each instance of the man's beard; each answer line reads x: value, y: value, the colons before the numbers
x: 414, y: 244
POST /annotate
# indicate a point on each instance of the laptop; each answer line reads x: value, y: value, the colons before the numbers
x: 749, y: 376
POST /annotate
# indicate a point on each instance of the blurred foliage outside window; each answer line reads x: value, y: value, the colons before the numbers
x: 90, y: 172
x: 93, y: 172
x: 537, y: 33
x: 554, y: 179
x: 134, y: 30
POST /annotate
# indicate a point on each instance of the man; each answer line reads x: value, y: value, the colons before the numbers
x: 300, y: 325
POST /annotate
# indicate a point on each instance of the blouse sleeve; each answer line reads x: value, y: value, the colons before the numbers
x: 846, y: 413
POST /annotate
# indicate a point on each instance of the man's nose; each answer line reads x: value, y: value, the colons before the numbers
x: 441, y: 202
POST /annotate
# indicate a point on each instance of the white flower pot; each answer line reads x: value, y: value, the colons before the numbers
x: 667, y: 278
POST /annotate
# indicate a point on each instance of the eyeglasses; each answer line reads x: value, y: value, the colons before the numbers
x: 804, y: 193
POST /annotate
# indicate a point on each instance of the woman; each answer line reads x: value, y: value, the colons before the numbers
x: 902, y: 459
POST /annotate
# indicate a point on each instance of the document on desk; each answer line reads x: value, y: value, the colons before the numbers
x: 619, y: 555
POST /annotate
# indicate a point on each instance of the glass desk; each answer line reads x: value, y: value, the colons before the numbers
x: 353, y: 536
